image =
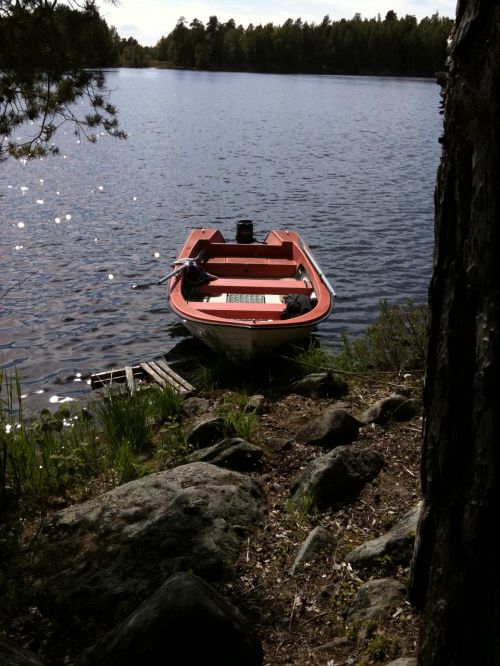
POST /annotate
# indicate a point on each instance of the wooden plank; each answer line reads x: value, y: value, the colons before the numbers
x: 157, y: 371
x: 129, y: 374
x: 176, y: 382
x: 283, y: 250
x: 253, y: 267
x: 153, y: 374
x: 255, y: 286
x: 169, y: 380
x: 100, y: 379
x: 257, y: 311
x: 180, y: 380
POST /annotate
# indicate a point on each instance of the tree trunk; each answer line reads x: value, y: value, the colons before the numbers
x: 455, y: 578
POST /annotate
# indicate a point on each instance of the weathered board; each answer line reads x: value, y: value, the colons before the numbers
x: 142, y: 375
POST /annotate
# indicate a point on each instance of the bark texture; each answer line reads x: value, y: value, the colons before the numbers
x: 455, y: 578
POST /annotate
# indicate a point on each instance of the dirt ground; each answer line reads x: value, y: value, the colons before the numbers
x: 300, y: 618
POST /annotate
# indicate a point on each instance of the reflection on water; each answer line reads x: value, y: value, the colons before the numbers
x: 348, y: 162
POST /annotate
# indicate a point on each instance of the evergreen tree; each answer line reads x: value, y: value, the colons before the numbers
x: 49, y: 57
x: 132, y: 54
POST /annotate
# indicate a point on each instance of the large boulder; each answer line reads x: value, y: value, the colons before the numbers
x: 333, y: 428
x: 115, y: 550
x: 185, y: 622
x: 395, y: 407
x: 335, y: 477
x: 397, y: 543
x: 206, y: 432
x: 320, y: 384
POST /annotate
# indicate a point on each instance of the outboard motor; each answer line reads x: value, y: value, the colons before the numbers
x: 244, y: 231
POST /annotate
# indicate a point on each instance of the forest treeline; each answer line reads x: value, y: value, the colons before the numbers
x: 389, y: 46
x: 392, y: 46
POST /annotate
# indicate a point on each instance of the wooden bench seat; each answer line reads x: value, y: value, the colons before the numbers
x: 251, y: 267
x: 282, y: 250
x: 242, y: 286
x: 240, y: 310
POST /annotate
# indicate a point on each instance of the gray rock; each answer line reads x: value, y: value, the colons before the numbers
x: 318, y: 541
x: 337, y: 476
x: 185, y: 622
x: 256, y: 404
x: 404, y: 661
x: 340, y: 404
x: 118, y: 548
x: 374, y: 600
x: 194, y: 406
x: 333, y: 428
x: 233, y: 453
x: 278, y: 444
x: 206, y: 432
x: 13, y: 655
x: 396, y: 407
x: 320, y: 384
x: 397, y: 542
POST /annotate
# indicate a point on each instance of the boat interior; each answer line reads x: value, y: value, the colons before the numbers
x: 250, y: 282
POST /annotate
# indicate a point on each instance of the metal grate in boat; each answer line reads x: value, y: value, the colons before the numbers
x: 246, y: 298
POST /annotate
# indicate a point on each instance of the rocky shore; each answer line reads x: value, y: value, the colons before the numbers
x: 290, y: 549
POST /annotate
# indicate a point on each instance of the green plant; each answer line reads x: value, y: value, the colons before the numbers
x: 209, y: 376
x: 237, y: 422
x: 240, y: 424
x: 172, y: 445
x: 394, y: 342
x: 78, y: 456
x: 382, y: 647
x: 124, y: 463
x: 234, y: 400
x: 46, y: 455
x: 312, y: 358
x: 298, y: 511
x: 123, y: 418
x: 26, y: 449
x: 164, y: 403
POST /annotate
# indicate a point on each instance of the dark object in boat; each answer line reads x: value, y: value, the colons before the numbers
x: 297, y: 304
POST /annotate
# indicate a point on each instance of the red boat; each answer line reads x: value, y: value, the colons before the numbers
x: 246, y: 297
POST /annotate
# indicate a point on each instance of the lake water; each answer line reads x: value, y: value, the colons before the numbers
x: 348, y: 162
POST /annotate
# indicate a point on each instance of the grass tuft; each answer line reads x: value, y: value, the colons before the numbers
x: 123, y: 418
x: 165, y: 403
x: 313, y: 358
x: 395, y: 342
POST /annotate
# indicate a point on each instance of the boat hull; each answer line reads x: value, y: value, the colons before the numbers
x: 241, y: 307
x: 239, y: 343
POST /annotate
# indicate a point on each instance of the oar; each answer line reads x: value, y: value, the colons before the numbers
x: 322, y: 276
x: 176, y: 271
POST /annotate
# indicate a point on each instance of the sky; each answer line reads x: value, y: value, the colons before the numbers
x: 149, y: 20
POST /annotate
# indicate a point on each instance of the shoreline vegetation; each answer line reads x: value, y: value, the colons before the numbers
x: 55, y: 460
x: 390, y: 46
